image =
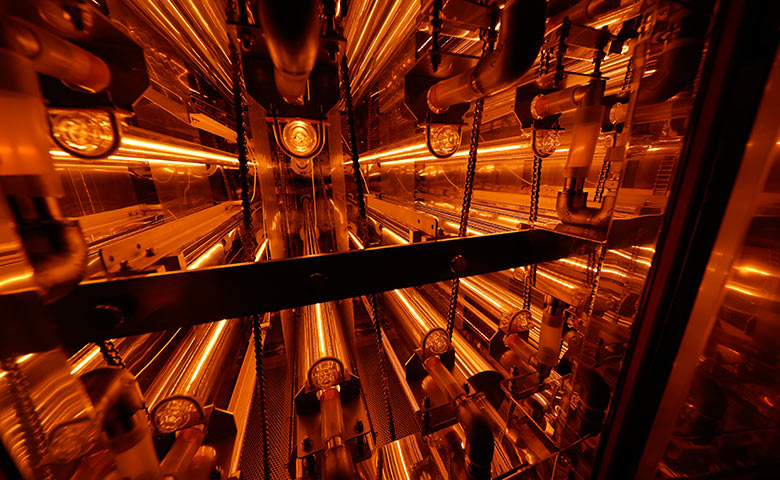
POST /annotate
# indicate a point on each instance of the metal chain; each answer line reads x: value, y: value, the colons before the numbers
x: 435, y: 35
x: 602, y: 181
x: 528, y: 282
x: 30, y: 422
x: 596, y: 277
x: 364, y: 237
x: 536, y: 182
x: 471, y: 168
x: 111, y: 354
x: 240, y: 105
x: 262, y: 396
x: 248, y: 240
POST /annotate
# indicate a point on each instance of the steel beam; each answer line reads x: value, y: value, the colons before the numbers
x: 140, y: 304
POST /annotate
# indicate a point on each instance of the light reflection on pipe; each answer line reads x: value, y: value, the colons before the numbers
x: 261, y: 250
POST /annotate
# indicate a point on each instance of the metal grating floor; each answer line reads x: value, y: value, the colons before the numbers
x: 279, y: 403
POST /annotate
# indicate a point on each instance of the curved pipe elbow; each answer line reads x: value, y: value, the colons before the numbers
x: 571, y: 210
x: 58, y: 254
x: 522, y: 34
x: 678, y: 64
x: 292, y: 34
x: 479, y: 439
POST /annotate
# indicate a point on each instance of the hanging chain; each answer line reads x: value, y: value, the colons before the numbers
x: 364, y: 237
x: 536, y: 182
x: 436, y: 35
x: 260, y: 391
x: 111, y: 354
x: 488, y: 42
x: 602, y: 181
x: 239, y: 102
x: 246, y: 232
x: 596, y: 275
x: 32, y: 429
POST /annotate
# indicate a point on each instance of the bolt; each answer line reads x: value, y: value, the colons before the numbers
x: 318, y: 281
x: 359, y: 426
x: 466, y: 387
x: 458, y: 264
x: 306, y: 444
x: 150, y: 252
x: 124, y: 265
x: 138, y: 246
x: 515, y: 371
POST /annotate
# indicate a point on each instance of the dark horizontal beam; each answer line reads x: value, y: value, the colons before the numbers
x: 134, y: 305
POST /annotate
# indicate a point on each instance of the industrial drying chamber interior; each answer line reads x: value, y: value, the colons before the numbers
x: 367, y: 239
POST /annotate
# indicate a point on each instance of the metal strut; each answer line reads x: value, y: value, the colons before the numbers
x: 364, y: 237
x: 488, y: 43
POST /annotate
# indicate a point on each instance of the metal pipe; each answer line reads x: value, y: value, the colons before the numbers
x: 479, y: 435
x: 337, y: 463
x: 292, y: 33
x: 323, y: 354
x: 678, y: 64
x: 54, y: 56
x: 54, y: 246
x: 550, y: 336
x: 584, y: 11
x: 417, y: 322
x: 120, y: 414
x: 188, y: 382
x: 522, y: 33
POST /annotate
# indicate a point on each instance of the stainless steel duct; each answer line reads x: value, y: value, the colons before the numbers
x: 522, y: 33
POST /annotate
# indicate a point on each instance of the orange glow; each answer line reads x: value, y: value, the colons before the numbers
x: 753, y: 270
x: 356, y: 240
x: 261, y: 250
x: 203, y: 258
x: 212, y: 343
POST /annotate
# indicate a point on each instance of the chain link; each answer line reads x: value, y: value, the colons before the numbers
x: 596, y: 276
x: 239, y: 101
x: 373, y: 301
x: 111, y: 354
x: 602, y: 181
x: 488, y: 42
x: 30, y: 422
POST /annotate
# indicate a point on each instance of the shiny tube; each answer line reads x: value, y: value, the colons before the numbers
x: 137, y: 352
x: 323, y: 354
x: 189, y: 380
x: 178, y: 458
x: 678, y: 64
x: 550, y: 336
x: 121, y: 415
x: 417, y: 321
x: 292, y: 33
x: 54, y: 56
x: 522, y: 33
x: 337, y: 463
x: 496, y: 301
x: 479, y: 434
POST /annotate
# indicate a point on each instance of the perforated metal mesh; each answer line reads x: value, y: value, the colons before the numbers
x: 279, y: 402
x: 372, y: 388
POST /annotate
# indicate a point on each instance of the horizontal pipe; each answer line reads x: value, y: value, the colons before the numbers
x: 54, y: 56
x: 189, y: 380
x: 522, y: 33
